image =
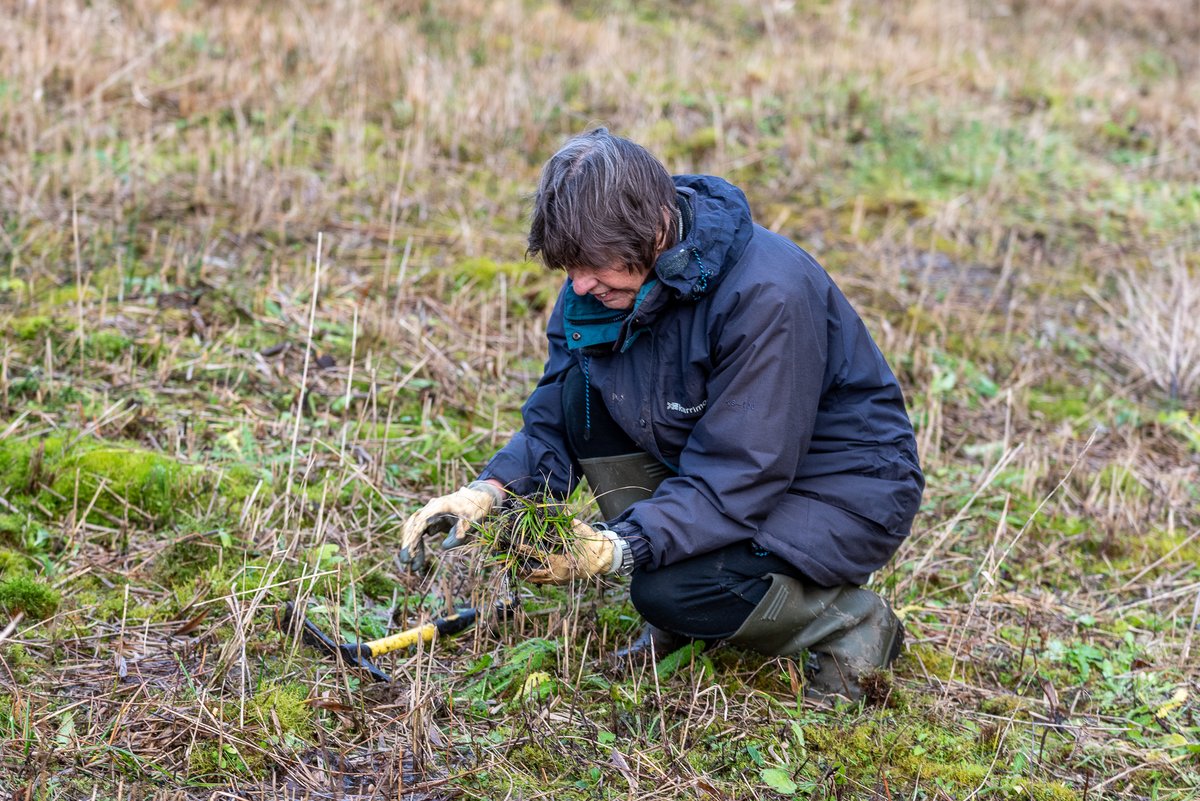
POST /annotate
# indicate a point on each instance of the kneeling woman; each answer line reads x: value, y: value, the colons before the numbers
x: 747, y: 442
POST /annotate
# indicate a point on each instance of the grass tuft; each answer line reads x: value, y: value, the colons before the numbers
x: 1155, y: 325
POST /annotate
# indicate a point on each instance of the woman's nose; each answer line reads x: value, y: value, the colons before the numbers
x: 583, y: 284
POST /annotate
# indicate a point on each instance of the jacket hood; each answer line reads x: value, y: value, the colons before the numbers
x: 716, y: 229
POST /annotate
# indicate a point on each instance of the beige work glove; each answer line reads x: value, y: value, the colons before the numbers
x: 594, y: 553
x: 453, y: 513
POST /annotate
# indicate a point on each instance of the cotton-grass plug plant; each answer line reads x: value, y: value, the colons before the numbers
x: 525, y: 530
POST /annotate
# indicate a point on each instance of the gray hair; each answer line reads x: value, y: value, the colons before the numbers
x: 600, y: 202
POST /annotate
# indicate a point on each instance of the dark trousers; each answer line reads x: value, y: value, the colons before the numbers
x: 707, y: 597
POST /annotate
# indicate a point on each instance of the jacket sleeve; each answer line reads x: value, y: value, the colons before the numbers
x: 769, y: 344
x: 536, y: 458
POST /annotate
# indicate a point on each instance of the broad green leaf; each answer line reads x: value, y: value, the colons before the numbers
x: 779, y: 780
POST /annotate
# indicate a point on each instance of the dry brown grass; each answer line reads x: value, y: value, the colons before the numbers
x: 290, y: 117
x: 1155, y: 326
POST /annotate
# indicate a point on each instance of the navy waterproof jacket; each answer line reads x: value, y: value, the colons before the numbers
x: 743, y: 368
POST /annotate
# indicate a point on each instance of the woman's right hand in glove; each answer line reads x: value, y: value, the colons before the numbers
x: 454, y: 513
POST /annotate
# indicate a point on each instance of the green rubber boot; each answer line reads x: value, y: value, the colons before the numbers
x: 618, y: 482
x: 850, y: 632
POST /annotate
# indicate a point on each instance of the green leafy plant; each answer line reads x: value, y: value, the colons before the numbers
x: 529, y: 658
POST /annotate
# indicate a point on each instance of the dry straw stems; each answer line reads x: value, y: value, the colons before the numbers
x: 1156, y: 326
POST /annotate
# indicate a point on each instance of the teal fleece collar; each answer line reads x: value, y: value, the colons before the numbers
x: 589, y: 323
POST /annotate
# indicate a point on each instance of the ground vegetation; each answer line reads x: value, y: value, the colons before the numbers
x: 263, y: 288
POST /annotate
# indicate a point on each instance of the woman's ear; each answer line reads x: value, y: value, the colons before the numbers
x: 666, y: 234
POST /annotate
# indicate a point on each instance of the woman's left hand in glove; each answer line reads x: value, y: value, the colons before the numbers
x: 594, y: 552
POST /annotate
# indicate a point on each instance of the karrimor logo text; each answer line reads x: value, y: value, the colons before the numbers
x: 672, y: 406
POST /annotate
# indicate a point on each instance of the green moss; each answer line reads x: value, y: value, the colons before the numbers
x: 486, y: 271
x: 22, y: 666
x: 12, y: 528
x: 95, y: 601
x: 12, y: 285
x: 254, y: 337
x: 715, y: 752
x: 1002, y: 706
x: 12, y: 563
x: 852, y: 746
x: 701, y: 143
x: 282, y: 711
x: 949, y: 755
x: 1051, y: 791
x: 1171, y: 549
x: 235, y: 484
x: 533, y: 757
x: 933, y: 661
x: 61, y: 296
x: 119, y: 478
x: 619, y: 618
x: 218, y: 762
x: 99, y: 603
x: 112, y: 606
x: 1177, y: 543
x: 24, y: 594
x: 28, y: 328
x: 367, y: 430
x: 24, y: 461
x: 1056, y: 402
x: 17, y: 657
x: 108, y: 345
